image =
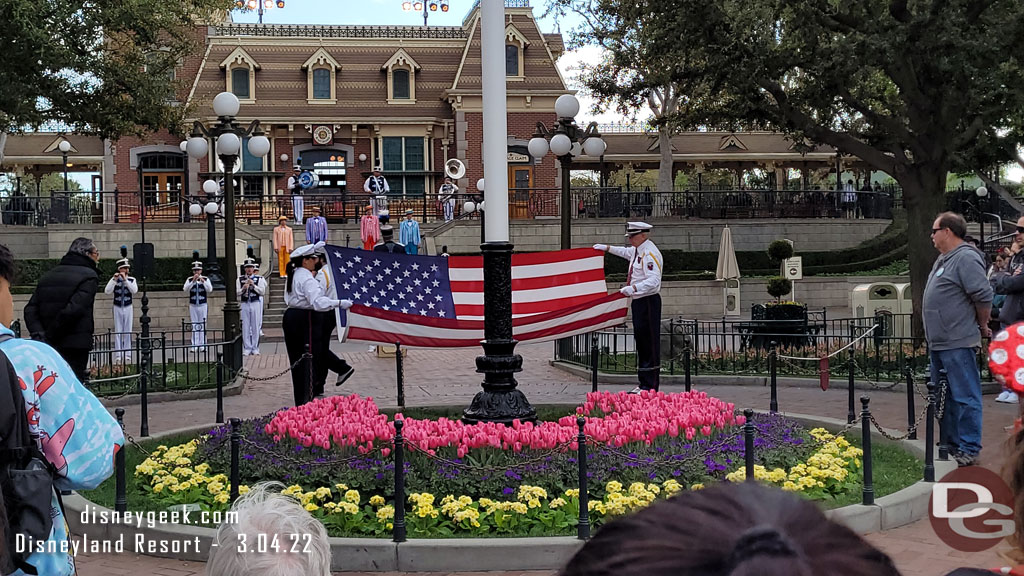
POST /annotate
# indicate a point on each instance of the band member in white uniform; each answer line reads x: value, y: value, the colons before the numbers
x: 250, y: 289
x: 198, y: 288
x: 377, y: 186
x: 302, y: 328
x: 446, y: 195
x: 122, y: 286
x: 643, y: 284
x: 295, y: 189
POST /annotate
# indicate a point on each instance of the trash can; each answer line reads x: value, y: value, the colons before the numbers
x: 878, y: 297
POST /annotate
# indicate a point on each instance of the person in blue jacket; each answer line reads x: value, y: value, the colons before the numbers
x: 73, y: 429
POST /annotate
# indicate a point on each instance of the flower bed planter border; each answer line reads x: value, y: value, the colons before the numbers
x: 486, y: 554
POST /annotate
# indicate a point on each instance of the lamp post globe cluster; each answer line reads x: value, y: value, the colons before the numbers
x: 426, y: 6
x: 64, y: 148
x: 982, y: 193
x: 565, y: 139
x: 472, y: 206
x: 228, y: 137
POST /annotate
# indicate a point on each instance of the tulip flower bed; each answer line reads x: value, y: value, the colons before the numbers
x: 335, y: 455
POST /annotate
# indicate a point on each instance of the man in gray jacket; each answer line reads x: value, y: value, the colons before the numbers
x: 957, y: 302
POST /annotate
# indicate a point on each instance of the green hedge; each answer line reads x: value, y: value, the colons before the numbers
x: 887, y: 247
x: 167, y: 273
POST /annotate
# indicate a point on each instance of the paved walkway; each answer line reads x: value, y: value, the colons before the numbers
x: 448, y: 377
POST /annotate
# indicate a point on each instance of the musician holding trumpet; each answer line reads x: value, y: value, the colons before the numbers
x: 122, y: 286
x: 198, y: 288
x: 250, y: 289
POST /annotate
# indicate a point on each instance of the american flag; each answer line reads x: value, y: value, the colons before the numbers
x: 433, y: 301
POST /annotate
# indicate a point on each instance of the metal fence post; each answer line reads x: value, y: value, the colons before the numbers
x: 671, y: 345
x: 236, y: 441
x: 400, y: 374
x: 120, y: 498
x: 348, y: 240
x: 686, y: 367
x: 929, y: 436
x: 144, y: 387
x: 594, y: 358
x: 398, y: 533
x: 942, y: 402
x: 909, y: 375
x: 868, y: 496
x: 773, y: 354
x: 583, y: 527
x: 851, y: 416
x: 748, y: 443
x: 220, y: 387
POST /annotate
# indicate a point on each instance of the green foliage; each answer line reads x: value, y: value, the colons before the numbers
x: 778, y: 286
x: 102, y: 67
x: 168, y: 273
x: 780, y: 250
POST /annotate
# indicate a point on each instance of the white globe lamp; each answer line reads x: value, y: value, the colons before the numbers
x: 64, y: 146
x: 469, y: 207
x: 482, y: 205
x: 981, y: 192
x: 480, y: 184
x: 183, y: 146
x: 577, y: 149
x: 593, y: 147
x: 225, y: 104
x: 560, y: 145
x: 567, y: 106
x: 211, y: 187
x: 362, y: 157
x: 228, y: 144
x: 195, y: 209
x: 537, y: 147
x: 197, y: 147
x: 284, y: 157
x: 259, y: 146
x: 211, y: 208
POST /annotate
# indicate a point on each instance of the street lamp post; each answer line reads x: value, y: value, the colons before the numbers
x: 211, y: 208
x: 64, y: 148
x: 432, y: 5
x: 982, y: 194
x: 229, y: 135
x: 567, y: 139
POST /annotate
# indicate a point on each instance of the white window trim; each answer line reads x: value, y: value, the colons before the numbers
x: 239, y: 58
x: 321, y: 59
x: 401, y: 60
x: 513, y: 37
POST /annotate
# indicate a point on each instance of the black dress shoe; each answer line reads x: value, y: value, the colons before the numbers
x: 345, y: 376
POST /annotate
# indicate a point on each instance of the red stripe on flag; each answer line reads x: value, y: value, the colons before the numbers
x: 550, y: 305
x: 531, y: 258
x: 368, y: 334
x: 536, y: 283
x: 451, y: 323
x: 572, y: 326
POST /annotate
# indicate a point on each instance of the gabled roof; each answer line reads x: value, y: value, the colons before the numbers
x: 514, y: 35
x: 320, y: 57
x: 400, y: 58
x: 731, y: 141
x: 239, y: 56
x: 540, y: 71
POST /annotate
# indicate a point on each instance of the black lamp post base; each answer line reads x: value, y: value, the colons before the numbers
x: 212, y: 271
x: 500, y: 400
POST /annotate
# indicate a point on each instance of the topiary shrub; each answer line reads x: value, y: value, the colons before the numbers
x: 780, y: 250
x: 778, y: 287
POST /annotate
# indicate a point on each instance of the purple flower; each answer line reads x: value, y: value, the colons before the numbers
x: 508, y: 490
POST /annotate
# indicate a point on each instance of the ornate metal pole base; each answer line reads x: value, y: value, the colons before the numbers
x: 212, y: 267
x: 500, y: 400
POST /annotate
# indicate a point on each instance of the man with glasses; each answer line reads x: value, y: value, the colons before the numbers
x: 957, y: 302
x: 60, y: 310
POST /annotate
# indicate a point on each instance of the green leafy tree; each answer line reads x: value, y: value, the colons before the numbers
x: 101, y: 67
x: 913, y: 88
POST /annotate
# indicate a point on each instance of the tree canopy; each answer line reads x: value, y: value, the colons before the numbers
x: 915, y: 88
x: 103, y: 67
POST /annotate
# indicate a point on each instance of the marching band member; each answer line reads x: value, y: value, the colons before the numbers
x: 295, y: 189
x: 122, y: 286
x: 250, y: 289
x: 198, y: 288
x: 304, y: 297
x: 446, y: 195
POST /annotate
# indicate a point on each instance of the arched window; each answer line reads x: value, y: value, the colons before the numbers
x: 400, y: 84
x: 401, y: 74
x: 240, y: 75
x: 321, y: 75
x: 322, y: 84
x: 515, y: 47
x: 240, y: 82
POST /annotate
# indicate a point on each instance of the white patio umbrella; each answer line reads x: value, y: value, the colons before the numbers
x: 727, y: 266
x: 728, y: 271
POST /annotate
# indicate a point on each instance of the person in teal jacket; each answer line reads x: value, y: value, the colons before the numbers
x: 74, y: 430
x: 409, y: 234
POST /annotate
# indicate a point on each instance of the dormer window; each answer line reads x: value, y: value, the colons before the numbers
x: 515, y: 45
x: 401, y: 71
x: 240, y: 75
x: 321, y: 78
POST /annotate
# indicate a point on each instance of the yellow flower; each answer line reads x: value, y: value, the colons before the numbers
x: 330, y: 506
x: 573, y: 493
x: 352, y: 496
x: 613, y: 487
x: 203, y: 468
x: 341, y: 487
x: 311, y: 507
x: 697, y: 486
x: 556, y: 503
x: 215, y: 487
x: 182, y: 462
x: 376, y: 500
x: 385, y: 513
x: 347, y: 507
x: 158, y: 488
x: 243, y: 489
x: 322, y: 493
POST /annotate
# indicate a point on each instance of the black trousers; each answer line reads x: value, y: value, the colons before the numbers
x: 300, y: 330
x: 647, y: 333
x: 324, y: 359
x: 78, y: 359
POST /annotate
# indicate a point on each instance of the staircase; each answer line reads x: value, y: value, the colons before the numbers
x: 274, y: 312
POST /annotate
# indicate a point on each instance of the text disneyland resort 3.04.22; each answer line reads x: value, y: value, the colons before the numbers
x: 137, y: 534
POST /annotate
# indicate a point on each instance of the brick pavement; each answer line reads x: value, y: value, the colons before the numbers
x: 448, y: 377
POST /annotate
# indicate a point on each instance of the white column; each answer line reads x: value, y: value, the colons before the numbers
x: 495, y: 121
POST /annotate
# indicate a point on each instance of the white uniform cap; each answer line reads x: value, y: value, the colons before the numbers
x: 634, y: 228
x: 249, y: 262
x: 303, y: 251
x: 123, y: 263
x: 197, y: 265
x: 320, y: 247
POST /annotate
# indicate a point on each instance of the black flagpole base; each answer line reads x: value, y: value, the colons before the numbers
x: 500, y: 400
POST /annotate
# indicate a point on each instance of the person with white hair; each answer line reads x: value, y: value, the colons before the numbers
x: 265, y: 515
